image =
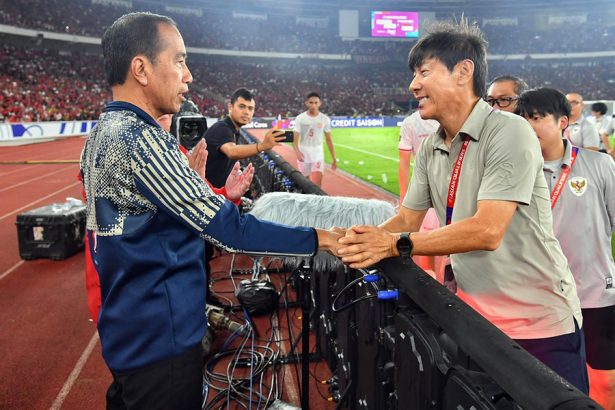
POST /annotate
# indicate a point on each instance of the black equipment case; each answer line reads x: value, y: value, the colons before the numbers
x: 54, y: 231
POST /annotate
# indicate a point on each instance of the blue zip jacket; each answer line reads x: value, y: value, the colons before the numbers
x: 147, y: 216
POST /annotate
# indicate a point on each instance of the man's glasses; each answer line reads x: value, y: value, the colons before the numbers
x: 502, y: 102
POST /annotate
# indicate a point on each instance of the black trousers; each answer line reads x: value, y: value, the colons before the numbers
x: 175, y: 383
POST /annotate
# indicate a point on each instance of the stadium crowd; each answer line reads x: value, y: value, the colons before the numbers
x: 40, y: 85
x: 597, y: 34
x: 228, y: 30
x: 43, y: 85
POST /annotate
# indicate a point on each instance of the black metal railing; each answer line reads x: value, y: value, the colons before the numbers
x: 274, y: 174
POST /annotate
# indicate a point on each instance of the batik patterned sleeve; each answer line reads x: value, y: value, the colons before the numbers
x: 164, y: 178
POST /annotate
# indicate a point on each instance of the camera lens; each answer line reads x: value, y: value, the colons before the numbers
x: 189, y: 131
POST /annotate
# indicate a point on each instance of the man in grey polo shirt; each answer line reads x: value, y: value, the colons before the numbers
x: 582, y: 186
x: 580, y: 131
x: 497, y: 225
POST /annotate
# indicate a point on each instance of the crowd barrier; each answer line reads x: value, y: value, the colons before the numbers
x: 21, y: 131
x: 336, y: 122
x: 274, y: 174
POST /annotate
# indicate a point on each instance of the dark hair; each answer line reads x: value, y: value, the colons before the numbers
x: 312, y: 94
x: 131, y: 35
x: 543, y: 101
x: 599, y: 107
x: 520, y: 85
x: 451, y: 43
x: 243, y: 93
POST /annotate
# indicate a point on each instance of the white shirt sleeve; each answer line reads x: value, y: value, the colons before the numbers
x: 327, y: 123
x: 297, y: 126
x: 610, y: 128
x: 405, y: 135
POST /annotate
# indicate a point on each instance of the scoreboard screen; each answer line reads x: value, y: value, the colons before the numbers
x: 395, y: 24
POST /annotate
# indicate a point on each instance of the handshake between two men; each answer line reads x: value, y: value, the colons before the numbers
x: 363, y: 245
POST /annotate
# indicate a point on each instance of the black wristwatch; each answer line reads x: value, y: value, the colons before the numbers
x: 404, y: 247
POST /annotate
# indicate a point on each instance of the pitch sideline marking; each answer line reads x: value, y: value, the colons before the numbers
x: 39, y: 200
x: 366, y: 152
x: 11, y: 269
x: 34, y: 179
x: 20, y: 169
x: 72, y: 377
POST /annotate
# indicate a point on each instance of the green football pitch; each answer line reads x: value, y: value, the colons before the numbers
x: 372, y: 155
x: 368, y: 153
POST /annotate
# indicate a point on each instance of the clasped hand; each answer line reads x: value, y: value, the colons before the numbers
x: 365, y: 245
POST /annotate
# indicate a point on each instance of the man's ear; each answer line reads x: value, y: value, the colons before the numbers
x: 230, y: 107
x: 465, y: 71
x: 139, y: 68
x: 563, y: 122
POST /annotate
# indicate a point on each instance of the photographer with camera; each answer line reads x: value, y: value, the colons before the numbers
x: 222, y: 138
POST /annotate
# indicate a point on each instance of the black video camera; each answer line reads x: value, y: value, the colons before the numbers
x: 189, y: 129
x: 188, y: 125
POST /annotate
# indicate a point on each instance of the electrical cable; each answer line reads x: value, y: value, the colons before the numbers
x: 264, y: 383
x: 260, y: 361
x: 352, y: 303
x: 269, y: 343
x: 245, y: 312
x: 285, y: 299
x: 230, y: 272
x: 339, y: 404
x: 316, y: 380
x: 292, y: 349
x: 344, y: 289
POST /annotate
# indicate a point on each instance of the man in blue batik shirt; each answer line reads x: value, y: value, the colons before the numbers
x: 147, y: 213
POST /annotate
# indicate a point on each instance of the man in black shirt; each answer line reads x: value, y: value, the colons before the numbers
x: 222, y: 138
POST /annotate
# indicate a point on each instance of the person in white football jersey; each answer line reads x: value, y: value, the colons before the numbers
x: 413, y: 131
x: 310, y: 126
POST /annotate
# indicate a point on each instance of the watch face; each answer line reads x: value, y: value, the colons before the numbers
x: 403, y: 245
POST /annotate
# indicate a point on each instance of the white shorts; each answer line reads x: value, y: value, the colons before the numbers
x: 306, y: 168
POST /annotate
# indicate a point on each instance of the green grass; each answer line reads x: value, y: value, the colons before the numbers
x: 372, y: 155
x: 368, y: 153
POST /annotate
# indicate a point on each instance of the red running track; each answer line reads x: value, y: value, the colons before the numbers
x: 46, y: 335
x: 51, y: 356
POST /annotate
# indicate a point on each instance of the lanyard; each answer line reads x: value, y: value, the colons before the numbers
x: 563, y: 177
x: 452, y: 187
